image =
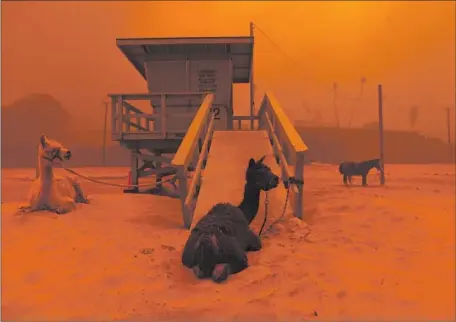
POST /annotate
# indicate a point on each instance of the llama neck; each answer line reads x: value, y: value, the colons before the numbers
x: 45, y: 174
x: 251, y: 202
x: 38, y: 165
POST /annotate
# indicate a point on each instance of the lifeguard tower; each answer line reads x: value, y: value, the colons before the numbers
x: 190, y: 94
x: 179, y: 72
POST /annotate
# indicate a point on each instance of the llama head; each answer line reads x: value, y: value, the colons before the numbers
x: 207, y: 255
x: 51, y: 152
x: 260, y: 175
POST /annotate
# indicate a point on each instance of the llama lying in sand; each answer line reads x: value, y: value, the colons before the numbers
x: 51, y: 192
x: 218, y: 243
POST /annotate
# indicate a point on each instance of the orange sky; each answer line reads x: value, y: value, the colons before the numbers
x: 67, y: 49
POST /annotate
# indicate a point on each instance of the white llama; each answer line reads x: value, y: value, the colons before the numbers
x: 51, y: 192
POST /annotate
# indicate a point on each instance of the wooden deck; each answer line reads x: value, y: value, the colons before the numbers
x: 224, y: 176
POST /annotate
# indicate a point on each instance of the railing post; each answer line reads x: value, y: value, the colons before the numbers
x: 114, y: 117
x: 261, y: 121
x: 134, y: 163
x: 299, y: 176
x: 183, y: 191
x: 120, y: 113
x: 197, y: 149
x: 127, y: 114
x: 138, y: 121
x: 163, y: 115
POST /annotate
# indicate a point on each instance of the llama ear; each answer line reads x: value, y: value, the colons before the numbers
x: 43, y: 140
x: 251, y: 163
x: 262, y: 159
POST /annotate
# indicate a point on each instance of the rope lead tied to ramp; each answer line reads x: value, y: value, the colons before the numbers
x: 292, y: 180
x: 287, y: 184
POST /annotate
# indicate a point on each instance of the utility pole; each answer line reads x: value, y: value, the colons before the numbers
x: 450, y: 146
x: 104, y: 132
x: 380, y: 129
x: 252, y: 86
x: 448, y: 125
x: 336, y: 114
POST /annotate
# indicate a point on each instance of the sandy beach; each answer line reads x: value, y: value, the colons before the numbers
x: 383, y: 253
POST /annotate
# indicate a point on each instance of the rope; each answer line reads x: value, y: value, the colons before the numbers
x: 266, y: 202
x: 283, y: 212
x: 117, y: 184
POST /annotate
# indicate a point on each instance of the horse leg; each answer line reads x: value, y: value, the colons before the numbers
x: 350, y: 179
x: 345, y: 179
x: 364, y: 179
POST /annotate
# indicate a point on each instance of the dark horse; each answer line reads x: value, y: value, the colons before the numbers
x: 217, y: 245
x: 350, y: 168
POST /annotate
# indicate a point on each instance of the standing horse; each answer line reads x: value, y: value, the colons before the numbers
x: 350, y: 168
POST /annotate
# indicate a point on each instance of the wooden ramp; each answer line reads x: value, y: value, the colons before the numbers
x: 224, y: 176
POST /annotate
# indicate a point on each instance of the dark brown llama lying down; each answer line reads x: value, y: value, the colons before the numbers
x: 217, y: 245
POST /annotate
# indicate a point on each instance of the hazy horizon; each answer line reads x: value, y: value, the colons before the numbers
x: 67, y: 50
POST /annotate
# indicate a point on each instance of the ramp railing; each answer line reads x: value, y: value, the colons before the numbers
x: 288, y: 146
x: 192, y: 151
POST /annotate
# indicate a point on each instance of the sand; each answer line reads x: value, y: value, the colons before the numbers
x: 366, y: 253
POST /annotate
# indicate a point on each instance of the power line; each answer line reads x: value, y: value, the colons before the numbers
x: 275, y: 45
x: 284, y: 53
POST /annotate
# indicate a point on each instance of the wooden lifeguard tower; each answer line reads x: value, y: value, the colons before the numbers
x: 189, y: 121
x: 179, y: 72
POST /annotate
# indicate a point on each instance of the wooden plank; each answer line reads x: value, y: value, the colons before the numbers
x: 114, y: 119
x: 184, y: 41
x: 148, y: 96
x: 190, y: 56
x: 134, y: 175
x: 224, y: 175
x: 183, y: 185
x: 142, y: 136
x: 163, y: 115
x: 127, y: 119
x: 186, y: 149
x: 245, y: 117
x: 158, y: 158
x: 201, y: 158
x: 292, y: 137
x: 141, y: 115
x: 165, y: 171
x: 131, y: 107
x: 297, y: 197
x: 278, y: 152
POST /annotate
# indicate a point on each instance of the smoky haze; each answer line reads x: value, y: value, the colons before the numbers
x: 67, y: 49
